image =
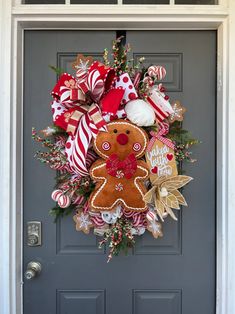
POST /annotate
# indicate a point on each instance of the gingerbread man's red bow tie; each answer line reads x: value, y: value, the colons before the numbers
x: 121, y: 168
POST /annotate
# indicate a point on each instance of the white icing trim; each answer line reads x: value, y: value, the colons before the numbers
x: 119, y: 199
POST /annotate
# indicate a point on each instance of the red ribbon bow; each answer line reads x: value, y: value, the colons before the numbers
x: 164, y: 129
x: 121, y: 168
x: 84, y: 122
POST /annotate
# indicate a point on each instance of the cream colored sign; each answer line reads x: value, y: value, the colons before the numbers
x: 161, y: 161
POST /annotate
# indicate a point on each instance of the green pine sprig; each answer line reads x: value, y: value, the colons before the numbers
x: 58, y: 212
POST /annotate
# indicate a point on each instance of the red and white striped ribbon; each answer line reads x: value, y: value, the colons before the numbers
x: 85, y: 132
x: 128, y: 213
x: 97, y: 220
x: 158, y: 136
x: 159, y: 112
x: 95, y: 85
x: 138, y: 219
x: 79, y: 200
x: 86, y: 207
x: 81, y: 143
x: 137, y: 79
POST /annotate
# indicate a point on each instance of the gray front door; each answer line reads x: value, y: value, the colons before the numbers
x: 171, y: 275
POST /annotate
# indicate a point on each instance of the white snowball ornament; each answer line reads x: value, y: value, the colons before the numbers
x: 140, y: 112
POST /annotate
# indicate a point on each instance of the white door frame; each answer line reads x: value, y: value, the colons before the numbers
x: 17, y: 18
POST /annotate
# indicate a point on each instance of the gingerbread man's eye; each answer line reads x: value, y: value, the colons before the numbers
x: 115, y: 131
x: 127, y: 132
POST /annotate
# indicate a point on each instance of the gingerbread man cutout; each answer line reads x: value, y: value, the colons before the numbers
x: 119, y: 174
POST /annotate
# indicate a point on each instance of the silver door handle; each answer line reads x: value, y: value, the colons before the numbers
x: 33, y: 270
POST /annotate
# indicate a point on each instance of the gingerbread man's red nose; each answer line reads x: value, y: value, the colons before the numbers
x: 122, y: 139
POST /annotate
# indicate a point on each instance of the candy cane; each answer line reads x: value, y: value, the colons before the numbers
x: 81, y: 143
x: 160, y: 72
x: 95, y: 84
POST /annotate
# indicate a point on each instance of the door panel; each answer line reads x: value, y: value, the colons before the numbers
x: 172, y: 275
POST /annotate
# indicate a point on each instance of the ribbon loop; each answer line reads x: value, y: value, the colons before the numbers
x: 159, y: 103
x: 89, y: 122
x: 164, y: 129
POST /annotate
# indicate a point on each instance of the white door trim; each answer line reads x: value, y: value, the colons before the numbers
x: 14, y: 21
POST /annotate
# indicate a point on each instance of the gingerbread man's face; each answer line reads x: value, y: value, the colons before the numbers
x: 122, y: 139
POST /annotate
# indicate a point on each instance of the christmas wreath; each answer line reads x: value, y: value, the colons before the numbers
x: 117, y: 146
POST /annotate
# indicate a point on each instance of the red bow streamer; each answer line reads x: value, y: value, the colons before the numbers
x: 85, y: 124
x: 82, y: 123
x: 126, y: 168
x: 164, y: 129
x: 86, y: 130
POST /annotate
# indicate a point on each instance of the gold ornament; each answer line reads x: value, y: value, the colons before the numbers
x: 164, y: 195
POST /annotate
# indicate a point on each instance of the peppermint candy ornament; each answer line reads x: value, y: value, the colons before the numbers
x: 55, y: 195
x: 148, y: 80
x: 64, y: 201
x: 157, y: 71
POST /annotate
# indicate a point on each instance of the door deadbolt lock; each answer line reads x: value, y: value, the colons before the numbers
x: 33, y: 270
x: 33, y: 239
x: 34, y: 233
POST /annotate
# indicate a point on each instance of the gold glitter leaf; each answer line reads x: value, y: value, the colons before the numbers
x: 180, y: 197
x: 175, y: 182
x: 171, y: 201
